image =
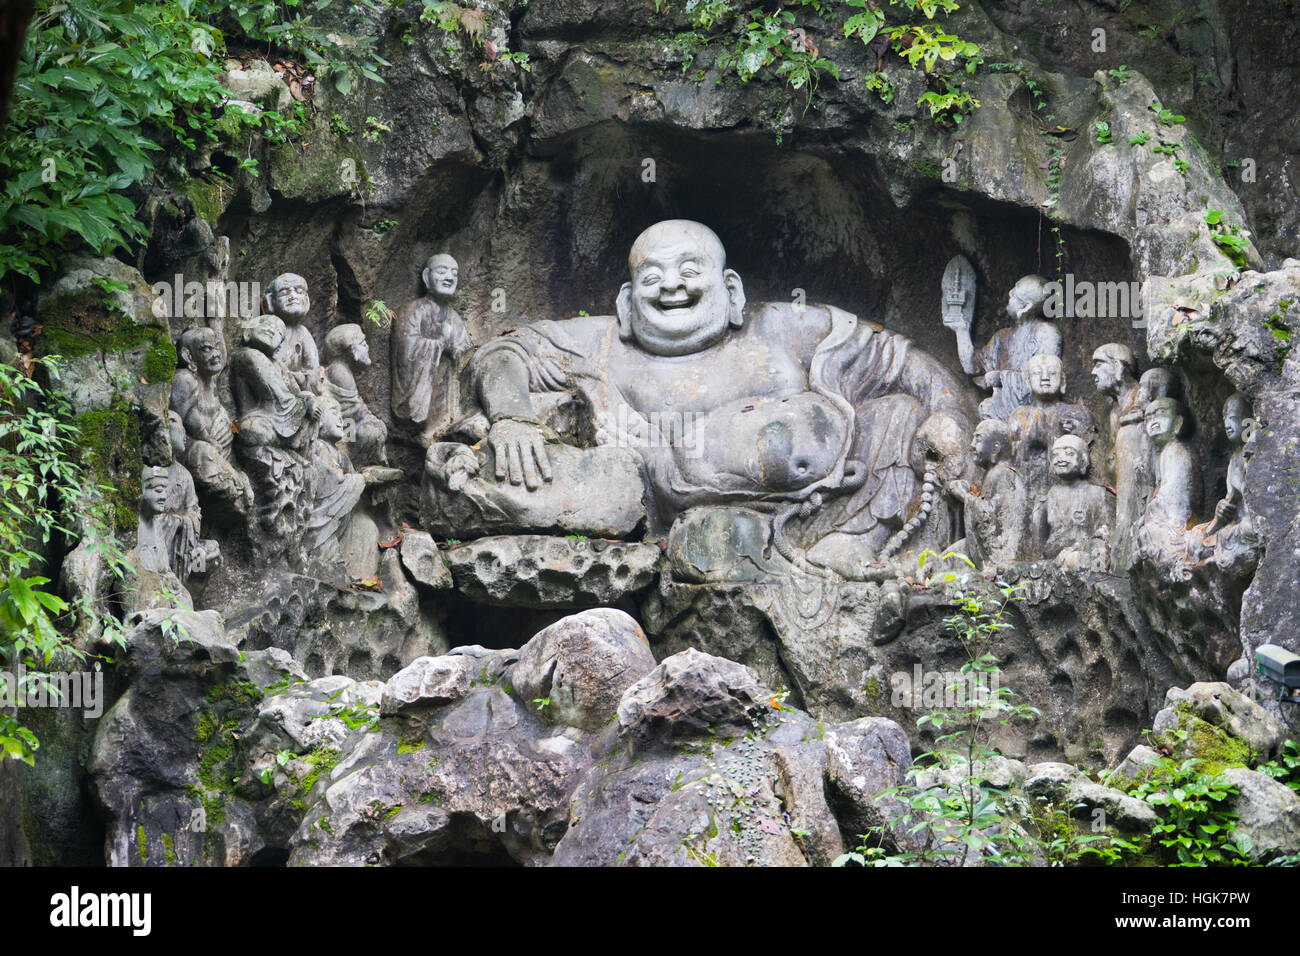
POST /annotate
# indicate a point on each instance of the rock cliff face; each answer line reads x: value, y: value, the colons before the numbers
x: 537, y: 696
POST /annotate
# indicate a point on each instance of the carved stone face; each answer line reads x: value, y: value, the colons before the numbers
x: 1046, y: 378
x: 1162, y: 421
x: 331, y: 422
x: 361, y: 352
x: 205, y: 352
x: 681, y: 297
x: 1155, y: 383
x: 1107, y: 372
x: 1025, y: 298
x: 1068, y: 459
x: 1234, y: 420
x: 442, y: 276
x: 265, y: 333
x: 986, y: 445
x: 153, y: 493
x: 289, y: 296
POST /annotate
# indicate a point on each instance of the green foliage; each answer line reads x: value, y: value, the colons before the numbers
x: 42, y: 484
x: 1121, y: 73
x: 1194, y: 819
x: 105, y: 88
x: 781, y: 43
x: 377, y: 313
x: 339, y: 127
x: 1227, y: 237
x: 375, y: 129
x: 519, y: 58
x: 1139, y: 139
x: 958, y: 817
x: 1167, y: 117
x: 1103, y: 131
x: 1286, y: 768
x: 1066, y: 843
x: 950, y: 106
x: 880, y: 84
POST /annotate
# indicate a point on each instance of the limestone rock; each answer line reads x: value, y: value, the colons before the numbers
x: 304, y: 712
x: 424, y: 562
x: 428, y: 682
x: 541, y: 571
x: 1234, y: 712
x: 1134, y: 768
x: 1268, y: 812
x: 583, y: 664
x: 691, y: 695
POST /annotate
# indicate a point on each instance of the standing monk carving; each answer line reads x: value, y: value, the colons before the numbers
x: 423, y: 332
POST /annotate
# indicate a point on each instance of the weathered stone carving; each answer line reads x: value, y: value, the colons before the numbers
x: 1036, y: 426
x: 1078, y: 513
x: 333, y: 487
x: 825, y: 423
x: 209, y: 437
x: 286, y: 297
x: 997, y: 513
x: 167, y: 535
x: 425, y: 331
x: 276, y: 426
x: 1230, y: 538
x: 1113, y: 371
x: 1161, y: 537
x: 346, y: 351
x: 1002, y: 364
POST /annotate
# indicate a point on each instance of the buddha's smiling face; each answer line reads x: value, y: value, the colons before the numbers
x: 681, y: 298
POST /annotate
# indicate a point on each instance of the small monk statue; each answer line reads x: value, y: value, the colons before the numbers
x: 426, y: 330
x: 345, y: 352
x: 996, y: 514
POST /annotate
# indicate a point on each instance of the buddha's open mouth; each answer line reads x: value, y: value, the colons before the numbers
x: 677, y: 303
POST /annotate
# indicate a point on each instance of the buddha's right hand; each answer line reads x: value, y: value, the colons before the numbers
x: 519, y: 449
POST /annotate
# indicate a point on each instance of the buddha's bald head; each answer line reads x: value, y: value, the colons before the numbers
x: 681, y: 298
x: 699, y: 235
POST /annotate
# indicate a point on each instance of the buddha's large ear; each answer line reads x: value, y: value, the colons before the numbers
x: 624, y: 309
x: 306, y: 303
x: 735, y: 297
x: 1062, y: 390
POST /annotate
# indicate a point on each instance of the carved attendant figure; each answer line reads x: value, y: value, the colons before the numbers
x: 333, y: 486
x: 1002, y: 364
x: 1162, y: 534
x: 346, y: 351
x: 286, y: 297
x: 1230, y: 537
x: 276, y: 424
x: 1078, y: 512
x: 423, y: 332
x: 1036, y: 426
x: 1113, y: 370
x: 209, y: 438
x: 995, y: 517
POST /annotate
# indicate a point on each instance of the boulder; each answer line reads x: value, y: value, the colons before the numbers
x: 1268, y: 813
x: 691, y: 695
x: 583, y: 664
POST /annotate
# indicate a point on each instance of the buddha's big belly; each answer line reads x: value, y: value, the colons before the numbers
x: 764, y: 444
